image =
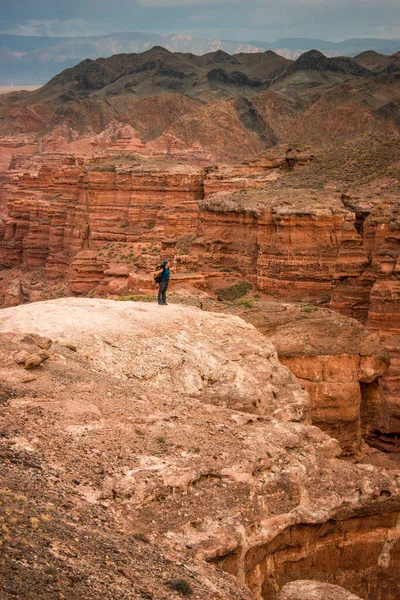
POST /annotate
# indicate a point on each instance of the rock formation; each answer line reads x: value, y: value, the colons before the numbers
x: 335, y: 358
x: 135, y: 455
x: 98, y: 226
x: 314, y: 590
x: 211, y: 107
x: 142, y: 449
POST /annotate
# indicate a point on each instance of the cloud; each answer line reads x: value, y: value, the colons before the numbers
x: 178, y: 3
x: 253, y: 19
x: 55, y: 28
x: 267, y: 5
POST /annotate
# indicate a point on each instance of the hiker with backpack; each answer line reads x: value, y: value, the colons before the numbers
x: 161, y: 276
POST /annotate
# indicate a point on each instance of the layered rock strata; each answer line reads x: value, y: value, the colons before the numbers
x: 147, y: 427
x: 335, y: 358
x: 102, y: 224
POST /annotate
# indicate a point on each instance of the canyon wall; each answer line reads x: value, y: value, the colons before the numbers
x: 101, y: 227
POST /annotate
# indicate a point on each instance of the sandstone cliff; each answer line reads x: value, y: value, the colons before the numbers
x: 335, y: 358
x: 98, y: 226
x: 313, y: 590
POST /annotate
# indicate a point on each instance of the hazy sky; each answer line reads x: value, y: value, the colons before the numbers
x: 265, y: 20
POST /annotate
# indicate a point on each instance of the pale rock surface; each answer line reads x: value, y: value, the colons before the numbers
x: 212, y: 356
x: 314, y: 590
x: 130, y: 481
x: 335, y: 358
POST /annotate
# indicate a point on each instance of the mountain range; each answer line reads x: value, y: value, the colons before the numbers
x: 216, y: 106
x: 32, y: 60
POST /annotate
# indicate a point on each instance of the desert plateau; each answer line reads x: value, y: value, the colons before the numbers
x: 243, y: 442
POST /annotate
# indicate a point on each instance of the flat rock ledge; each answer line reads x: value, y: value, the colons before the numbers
x: 213, y: 356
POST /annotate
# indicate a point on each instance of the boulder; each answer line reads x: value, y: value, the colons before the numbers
x: 314, y: 590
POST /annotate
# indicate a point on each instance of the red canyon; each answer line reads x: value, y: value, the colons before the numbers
x: 99, y: 226
x: 273, y: 188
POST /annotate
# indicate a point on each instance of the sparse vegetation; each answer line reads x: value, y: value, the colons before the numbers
x: 141, y: 537
x: 234, y: 292
x: 71, y: 347
x: 247, y: 302
x: 308, y: 308
x: 121, y: 163
x: 51, y: 571
x: 181, y: 586
x: 138, y: 298
x: 354, y: 164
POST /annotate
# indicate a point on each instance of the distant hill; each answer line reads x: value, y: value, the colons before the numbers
x: 375, y: 61
x: 218, y: 105
x: 33, y: 60
x: 294, y: 47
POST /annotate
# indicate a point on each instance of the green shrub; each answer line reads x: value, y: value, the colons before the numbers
x: 247, y: 302
x: 234, y: 292
x: 71, y: 347
x: 181, y: 585
x: 308, y: 308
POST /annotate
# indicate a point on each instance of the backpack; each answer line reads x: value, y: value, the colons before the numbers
x: 157, y: 278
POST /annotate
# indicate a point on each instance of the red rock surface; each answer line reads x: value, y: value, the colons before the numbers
x: 82, y: 219
x: 136, y: 455
x: 102, y: 182
x: 337, y: 361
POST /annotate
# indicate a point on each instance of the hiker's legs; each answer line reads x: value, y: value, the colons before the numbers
x: 162, y: 292
x: 164, y: 287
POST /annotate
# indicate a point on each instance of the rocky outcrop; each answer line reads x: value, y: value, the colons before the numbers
x: 299, y: 244
x: 374, y: 297
x: 337, y: 360
x: 383, y: 317
x: 228, y: 374
x: 60, y: 205
x: 314, y: 590
x: 293, y: 245
x: 101, y: 225
x: 136, y: 452
x: 62, y: 208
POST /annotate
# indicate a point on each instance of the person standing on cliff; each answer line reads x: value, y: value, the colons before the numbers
x: 164, y: 274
